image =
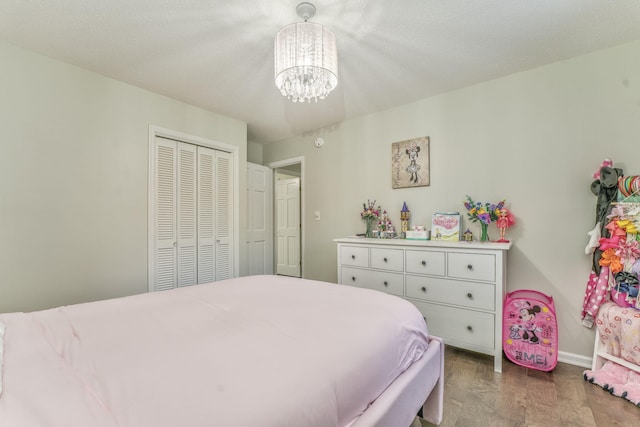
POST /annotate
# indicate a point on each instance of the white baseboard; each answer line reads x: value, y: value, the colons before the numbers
x: 575, y: 359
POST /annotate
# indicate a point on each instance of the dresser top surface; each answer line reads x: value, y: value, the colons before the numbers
x: 426, y: 243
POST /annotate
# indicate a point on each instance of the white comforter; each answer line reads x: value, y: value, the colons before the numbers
x: 262, y: 351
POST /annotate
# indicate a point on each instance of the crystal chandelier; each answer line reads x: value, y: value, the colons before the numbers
x: 306, y: 59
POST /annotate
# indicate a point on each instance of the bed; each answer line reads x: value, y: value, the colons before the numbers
x: 616, y: 354
x: 266, y: 351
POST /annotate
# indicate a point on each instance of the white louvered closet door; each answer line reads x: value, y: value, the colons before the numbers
x: 165, y: 260
x: 224, y: 216
x: 186, y: 219
x: 206, y: 218
x: 192, y: 215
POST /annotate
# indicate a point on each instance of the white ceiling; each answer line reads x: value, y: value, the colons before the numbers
x: 218, y: 54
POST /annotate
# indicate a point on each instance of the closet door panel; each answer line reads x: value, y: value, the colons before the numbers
x: 186, y: 215
x: 206, y: 229
x: 224, y: 215
x: 165, y: 270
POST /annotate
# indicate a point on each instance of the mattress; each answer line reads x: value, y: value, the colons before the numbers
x: 262, y: 350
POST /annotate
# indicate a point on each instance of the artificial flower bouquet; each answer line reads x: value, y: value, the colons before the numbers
x: 370, y: 213
x: 485, y: 214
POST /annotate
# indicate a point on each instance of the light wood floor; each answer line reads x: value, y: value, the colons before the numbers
x: 477, y: 396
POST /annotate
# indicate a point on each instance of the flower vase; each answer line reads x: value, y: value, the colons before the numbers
x: 369, y: 232
x: 484, y: 237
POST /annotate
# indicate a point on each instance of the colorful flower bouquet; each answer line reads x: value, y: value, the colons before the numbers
x: 370, y: 213
x: 484, y: 213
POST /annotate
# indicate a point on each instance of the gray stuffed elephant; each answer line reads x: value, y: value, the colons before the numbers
x: 606, y: 190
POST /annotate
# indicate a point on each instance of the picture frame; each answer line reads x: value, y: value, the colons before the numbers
x: 410, y: 163
x: 445, y: 226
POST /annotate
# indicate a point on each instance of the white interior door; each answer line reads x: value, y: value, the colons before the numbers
x: 288, y: 227
x: 259, y: 233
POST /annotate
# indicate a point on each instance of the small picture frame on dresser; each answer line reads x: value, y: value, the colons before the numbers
x: 445, y: 226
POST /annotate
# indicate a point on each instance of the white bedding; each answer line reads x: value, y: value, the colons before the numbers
x: 1, y: 353
x: 263, y: 351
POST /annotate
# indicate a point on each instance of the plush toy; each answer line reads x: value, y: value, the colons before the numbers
x: 594, y: 239
x: 605, y: 163
x: 605, y: 188
x: 617, y: 380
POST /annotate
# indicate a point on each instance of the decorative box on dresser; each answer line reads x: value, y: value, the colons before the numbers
x: 459, y: 287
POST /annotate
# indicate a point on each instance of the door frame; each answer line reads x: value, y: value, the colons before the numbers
x: 157, y: 131
x: 282, y: 164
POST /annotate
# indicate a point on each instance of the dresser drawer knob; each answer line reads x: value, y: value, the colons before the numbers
x: 353, y: 278
x: 386, y: 283
x: 423, y: 289
x: 470, y: 328
x: 470, y: 295
x: 385, y: 259
x: 424, y: 263
x: 353, y: 257
x: 470, y: 267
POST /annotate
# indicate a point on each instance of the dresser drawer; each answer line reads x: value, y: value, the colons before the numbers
x: 460, y: 327
x: 425, y: 262
x: 354, y: 255
x: 471, y: 266
x: 387, y: 259
x: 466, y: 294
x: 391, y: 283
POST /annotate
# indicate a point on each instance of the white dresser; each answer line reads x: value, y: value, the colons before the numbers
x: 458, y: 287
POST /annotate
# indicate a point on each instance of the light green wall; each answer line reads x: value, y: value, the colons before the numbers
x: 73, y: 179
x: 534, y: 138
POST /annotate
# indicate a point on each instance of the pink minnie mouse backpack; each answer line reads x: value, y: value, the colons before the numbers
x: 530, y: 330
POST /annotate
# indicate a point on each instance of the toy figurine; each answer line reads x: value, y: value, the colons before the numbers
x: 505, y: 220
x: 386, y: 228
x: 405, y: 215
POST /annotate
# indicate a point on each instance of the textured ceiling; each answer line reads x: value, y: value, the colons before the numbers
x: 218, y: 54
